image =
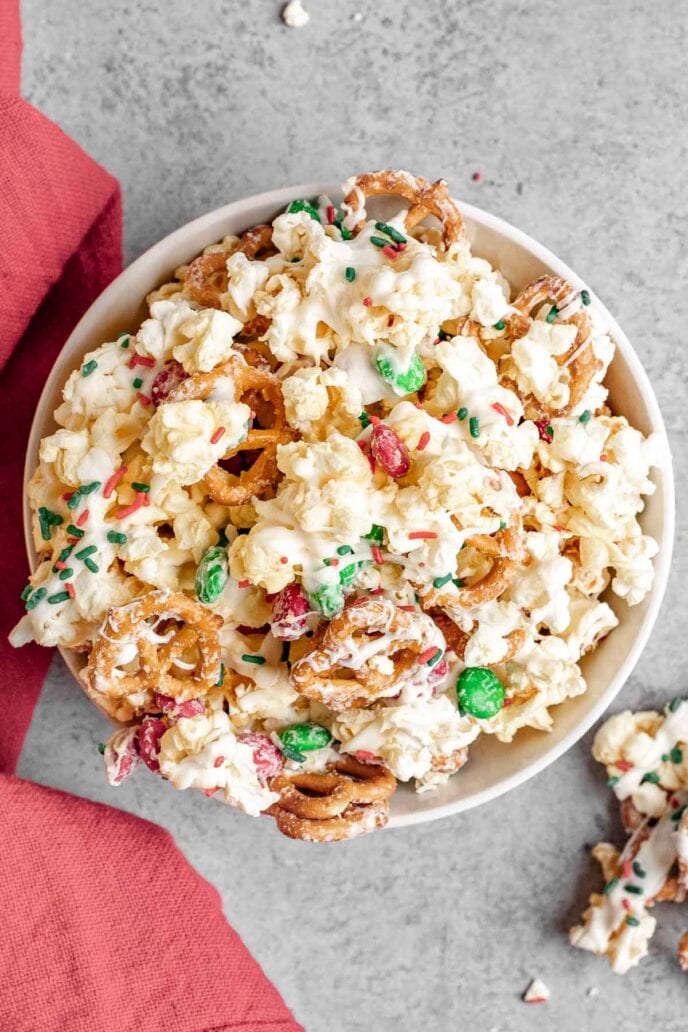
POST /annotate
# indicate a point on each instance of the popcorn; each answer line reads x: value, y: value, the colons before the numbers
x: 210, y: 333
x: 179, y: 436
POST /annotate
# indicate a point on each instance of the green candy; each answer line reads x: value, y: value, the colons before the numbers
x: 212, y: 574
x: 406, y: 382
x: 376, y: 534
x: 328, y: 600
x: 305, y: 738
x: 479, y: 692
x: 303, y: 205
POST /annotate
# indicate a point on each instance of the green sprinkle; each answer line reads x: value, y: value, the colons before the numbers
x: 66, y: 573
x: 65, y: 553
x: 665, y: 757
x: 552, y: 314
x: 676, y: 755
x: 75, y: 499
x: 143, y: 488
x: 652, y: 777
x: 458, y: 582
x: 87, y: 489
x: 115, y: 538
x: 436, y: 658
x: 637, y: 890
x: 502, y: 525
x: 296, y: 259
x: 379, y: 241
x: 26, y: 592
x: 375, y: 534
x: 101, y: 747
x: 73, y: 531
x: 632, y: 921
x: 345, y: 550
x: 613, y: 781
x: 474, y: 426
x: 501, y: 325
x: 303, y: 205
x: 284, y: 657
x: 674, y: 705
x: 549, y: 430
x: 87, y: 369
x: 585, y: 416
x: 293, y: 754
x: 462, y: 413
x: 124, y: 343
x: 61, y: 596
x: 222, y: 539
x: 364, y: 420
x: 138, y: 382
x: 47, y: 519
x: 439, y: 582
x: 396, y: 236
x: 350, y: 273
x: 443, y: 335
x: 610, y: 886
x: 90, y: 565
x: 585, y: 297
x: 221, y: 679
x: 85, y: 552
x: 678, y: 814
x: 639, y: 869
x: 258, y: 660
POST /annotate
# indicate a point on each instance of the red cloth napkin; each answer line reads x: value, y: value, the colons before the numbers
x: 105, y: 925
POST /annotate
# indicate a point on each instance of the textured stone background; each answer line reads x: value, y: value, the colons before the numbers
x: 574, y: 115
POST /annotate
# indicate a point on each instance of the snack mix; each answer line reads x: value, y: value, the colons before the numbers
x: 646, y: 756
x: 345, y: 501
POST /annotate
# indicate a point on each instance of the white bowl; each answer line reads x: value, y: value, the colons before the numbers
x: 493, y: 767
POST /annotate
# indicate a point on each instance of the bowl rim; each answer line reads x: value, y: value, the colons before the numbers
x: 662, y: 561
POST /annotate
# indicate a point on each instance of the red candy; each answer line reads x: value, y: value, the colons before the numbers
x: 166, y: 380
x: 121, y: 756
x: 389, y: 451
x: 174, y: 708
x: 266, y: 755
x: 151, y: 731
x: 290, y: 608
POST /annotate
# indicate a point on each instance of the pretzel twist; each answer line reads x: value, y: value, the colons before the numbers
x: 259, y: 388
x: 206, y: 277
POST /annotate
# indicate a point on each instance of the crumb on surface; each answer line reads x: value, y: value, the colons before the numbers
x: 295, y: 15
x: 536, y: 992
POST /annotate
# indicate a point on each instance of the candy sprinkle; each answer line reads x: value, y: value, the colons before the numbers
x: 143, y: 398
x: 636, y: 890
x: 429, y: 654
x: 61, y: 596
x: 367, y: 301
x: 70, y: 590
x: 90, y: 565
x: 422, y: 535
x: 585, y: 416
x: 632, y: 921
x: 111, y: 484
x: 585, y: 297
x: 395, y: 235
x: 652, y: 777
x: 674, y: 705
x: 439, y: 582
x: 501, y: 325
x: 141, y: 360
x: 138, y: 382
x: 258, y: 660
x: 423, y: 441
x: 639, y: 869
x: 503, y: 412
x: 377, y: 555
x: 26, y: 592
x: 379, y: 241
x: 676, y: 755
x: 37, y: 596
x: 476, y: 177
x: 474, y: 426
x: 390, y: 251
x: 101, y: 748
x: 462, y: 413
x: 217, y: 435
x: 74, y: 531
x: 450, y: 417
x: 364, y: 420
x: 65, y: 573
x: 89, y: 367
x: 350, y: 273
x: 83, y: 518
x: 552, y: 314
x: 610, y: 886
x: 140, y: 488
x: 221, y: 679
x: 115, y: 538
x: 85, y: 552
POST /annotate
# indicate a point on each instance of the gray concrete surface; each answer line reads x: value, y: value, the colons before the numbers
x: 574, y: 115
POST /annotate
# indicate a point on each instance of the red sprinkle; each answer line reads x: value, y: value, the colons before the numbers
x: 331, y: 214
x: 367, y: 301
x: 60, y: 566
x: 503, y: 412
x: 333, y: 562
x: 111, y: 484
x: 623, y: 765
x: 66, y: 497
x: 626, y: 869
x: 72, y: 540
x: 363, y: 756
x: 673, y: 802
x: 377, y: 555
x: 244, y: 583
x: 217, y: 435
x: 82, y: 519
x: 390, y: 251
x: 407, y: 609
x: 603, y: 458
x: 141, y: 360
x: 141, y: 499
x: 400, y: 247
x: 561, y: 530
x: 219, y: 761
x: 211, y: 791
x: 507, y: 702
x: 450, y: 417
x: 374, y: 420
x: 70, y: 588
x: 143, y: 398
x: 423, y: 441
x: 422, y: 535
x: 284, y: 560
x: 360, y: 601
x: 476, y: 177
x: 376, y: 591
x: 429, y: 654
x: 625, y: 904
